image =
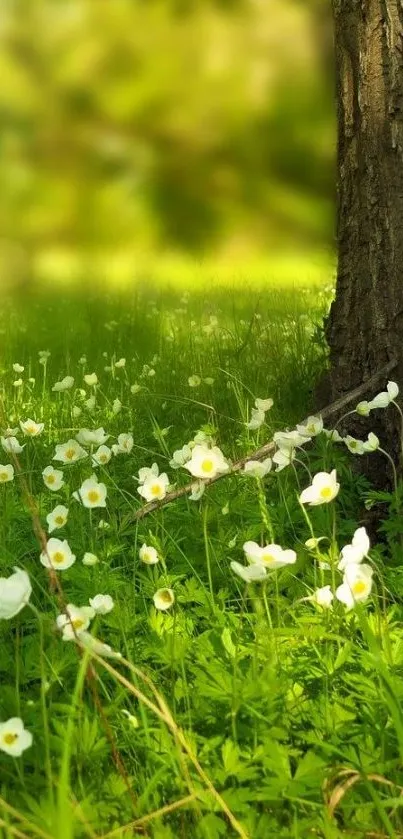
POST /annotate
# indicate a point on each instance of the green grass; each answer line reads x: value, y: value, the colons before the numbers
x: 247, y: 705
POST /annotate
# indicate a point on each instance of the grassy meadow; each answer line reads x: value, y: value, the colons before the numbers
x: 212, y: 703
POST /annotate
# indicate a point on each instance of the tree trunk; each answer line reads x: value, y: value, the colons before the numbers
x: 365, y: 325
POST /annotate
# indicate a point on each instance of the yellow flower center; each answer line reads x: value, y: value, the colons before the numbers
x: 3, y: 476
x: 50, y: 479
x: 166, y: 596
x: 207, y: 465
x: 70, y: 454
x: 59, y: 520
x: 58, y: 557
x: 155, y: 489
x: 326, y: 493
x: 30, y: 429
x: 102, y: 458
x: 77, y: 623
x: 359, y: 587
x: 268, y: 557
x: 10, y: 738
x: 93, y: 496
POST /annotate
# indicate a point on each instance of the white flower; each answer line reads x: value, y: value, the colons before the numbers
x: 198, y: 488
x: 57, y: 518
x: 90, y: 559
x: 90, y: 404
x: 116, y: 406
x: 146, y: 472
x: 6, y: 473
x: 323, y: 489
x: 11, y: 445
x: 194, y: 381
x: 91, y: 493
x: 256, y: 420
x: 313, y: 543
x: 135, y: 388
x: 287, y: 440
x: 353, y: 445
x: 95, y: 646
x: 393, y: 390
x: 121, y: 363
x: 356, y: 586
x: 101, y: 604
x: 256, y: 468
x: 322, y: 597
x: 102, y: 456
x: 103, y: 525
x: 65, y: 384
x: 76, y: 411
x: 164, y: 598
x: 270, y: 556
x: 75, y: 621
x: 180, y: 456
x: 15, y: 592
x: 382, y: 400
x: 91, y: 379
x: 18, y: 368
x: 18, y: 383
x: 96, y: 437
x: 333, y: 435
x: 206, y: 463
x: 263, y: 404
x: 69, y: 452
x: 148, y: 554
x: 124, y: 445
x: 363, y: 409
x: 208, y: 380
x: 53, y: 478
x: 58, y: 555
x: 31, y: 428
x: 356, y: 551
x: 312, y: 427
x: 372, y: 443
x: 154, y: 487
x: 249, y: 573
x: 14, y: 738
x: 283, y: 458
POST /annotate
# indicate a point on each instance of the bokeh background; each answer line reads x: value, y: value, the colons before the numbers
x: 149, y: 135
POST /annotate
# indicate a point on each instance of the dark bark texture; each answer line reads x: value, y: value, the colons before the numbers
x: 365, y: 325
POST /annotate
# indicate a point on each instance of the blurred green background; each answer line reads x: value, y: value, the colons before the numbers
x: 165, y: 133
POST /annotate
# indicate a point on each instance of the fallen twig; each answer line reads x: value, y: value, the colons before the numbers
x: 268, y: 449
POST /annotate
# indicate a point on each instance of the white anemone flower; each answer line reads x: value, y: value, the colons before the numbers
x: 31, y: 428
x: 148, y: 554
x: 323, y: 489
x: 147, y: 472
x: 393, y: 390
x: 69, y: 452
x: 286, y: 440
x: 102, y: 456
x: 354, y: 446
x: 11, y: 445
x: 270, y: 556
x: 206, y: 462
x: 180, y: 457
x: 92, y: 493
x: 102, y: 604
x: 116, y: 406
x: 120, y: 363
x: 283, y: 458
x: 164, y: 598
x: 57, y: 518
x: 249, y: 573
x: 94, y: 645
x: 14, y: 738
x: 124, y: 445
x: 257, y: 419
x: 311, y: 428
x: 363, y: 409
x: 356, y: 586
x: 95, y: 437
x: 52, y: 478
x: 333, y: 435
x: 356, y: 551
x: 372, y: 443
x: 90, y: 559
x: 18, y: 368
x: 91, y: 379
x: 263, y: 404
x: 194, y: 381
x: 58, y: 555
x: 381, y: 400
x: 15, y: 592
x: 322, y: 597
x: 6, y: 473
x: 65, y: 384
x: 154, y: 487
x: 258, y: 468
x: 76, y: 620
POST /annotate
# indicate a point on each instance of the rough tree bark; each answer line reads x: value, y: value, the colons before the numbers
x: 365, y: 326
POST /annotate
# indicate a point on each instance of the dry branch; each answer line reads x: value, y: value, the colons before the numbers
x: 268, y: 449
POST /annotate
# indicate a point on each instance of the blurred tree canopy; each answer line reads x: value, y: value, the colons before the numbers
x: 144, y: 124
